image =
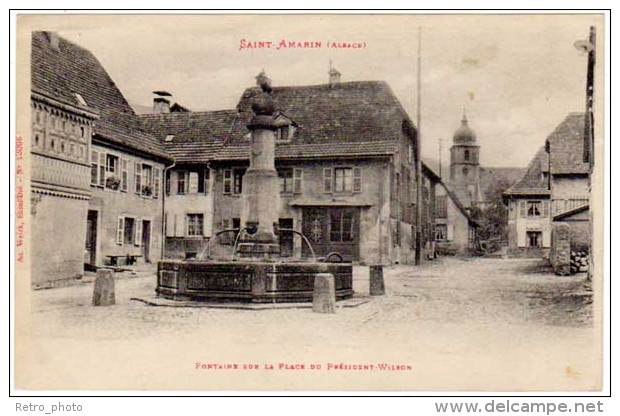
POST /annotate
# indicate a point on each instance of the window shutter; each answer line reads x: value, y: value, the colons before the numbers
x: 207, y: 177
x: 102, y: 159
x: 124, y: 174
x: 357, y: 179
x: 156, y: 182
x: 227, y: 181
x: 522, y: 209
x: 137, y: 239
x: 298, y: 176
x: 94, y: 160
x: 327, y: 180
x: 545, y: 212
x: 120, y: 230
x: 193, y: 182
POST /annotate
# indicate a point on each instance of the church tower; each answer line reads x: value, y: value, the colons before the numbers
x: 465, y: 165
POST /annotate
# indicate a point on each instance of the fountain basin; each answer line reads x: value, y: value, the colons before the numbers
x: 245, y: 281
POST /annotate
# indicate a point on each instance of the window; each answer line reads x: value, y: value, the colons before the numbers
x: 147, y: 180
x: 167, y: 182
x: 238, y: 181
x: 466, y: 155
x: 442, y: 206
x: 286, y: 180
x: 82, y: 132
x: 441, y: 232
x: 465, y: 171
x: 228, y: 181
x: 283, y: 133
x: 36, y: 140
x: 128, y: 235
x: 181, y: 182
x: 343, y: 180
x: 194, y: 224
x: 112, y: 168
x: 341, y: 225
x: 533, y: 208
x: 169, y: 137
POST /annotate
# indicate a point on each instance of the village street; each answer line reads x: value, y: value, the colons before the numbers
x: 453, y: 321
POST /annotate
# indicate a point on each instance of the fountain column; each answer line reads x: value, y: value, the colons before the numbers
x: 261, y: 188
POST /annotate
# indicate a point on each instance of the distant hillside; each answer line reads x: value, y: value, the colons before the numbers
x: 491, y: 178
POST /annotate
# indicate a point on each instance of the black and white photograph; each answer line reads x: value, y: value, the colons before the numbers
x: 248, y: 202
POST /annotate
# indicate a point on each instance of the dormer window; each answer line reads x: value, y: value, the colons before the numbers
x: 285, y: 127
x: 466, y: 154
x: 81, y: 101
x: 169, y: 137
x: 283, y: 133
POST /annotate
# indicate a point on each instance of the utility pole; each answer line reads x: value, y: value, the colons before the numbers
x: 589, y: 46
x: 440, y: 149
x: 418, y: 161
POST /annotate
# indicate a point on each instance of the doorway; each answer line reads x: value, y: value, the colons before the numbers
x: 90, y: 248
x: 534, y: 238
x: 146, y: 240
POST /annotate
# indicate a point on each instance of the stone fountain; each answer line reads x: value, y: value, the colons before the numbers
x: 259, y: 274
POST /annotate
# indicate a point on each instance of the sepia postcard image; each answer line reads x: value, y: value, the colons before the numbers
x: 309, y: 202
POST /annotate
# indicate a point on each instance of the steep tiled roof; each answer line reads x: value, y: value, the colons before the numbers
x: 566, y: 146
x: 533, y: 183
x: 197, y: 136
x: 60, y: 73
x: 352, y: 118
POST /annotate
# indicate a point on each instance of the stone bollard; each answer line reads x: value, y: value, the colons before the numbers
x: 377, y: 285
x: 324, y: 295
x: 103, y: 294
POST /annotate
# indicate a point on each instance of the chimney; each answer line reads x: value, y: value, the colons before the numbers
x: 161, y: 104
x: 54, y: 40
x: 334, y: 75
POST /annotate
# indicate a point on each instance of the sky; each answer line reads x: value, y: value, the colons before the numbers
x: 516, y: 76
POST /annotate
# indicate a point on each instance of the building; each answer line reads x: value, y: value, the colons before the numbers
x: 96, y: 174
x: 345, y: 155
x: 62, y: 124
x: 455, y: 229
x: 569, y: 183
x: 554, y: 189
x: 465, y: 165
x: 193, y: 139
x: 528, y: 201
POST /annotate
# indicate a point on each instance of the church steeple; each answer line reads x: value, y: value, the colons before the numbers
x: 464, y: 164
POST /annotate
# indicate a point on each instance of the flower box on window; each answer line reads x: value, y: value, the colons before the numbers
x: 147, y: 190
x: 112, y: 182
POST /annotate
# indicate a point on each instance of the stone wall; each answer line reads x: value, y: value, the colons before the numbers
x: 560, y: 249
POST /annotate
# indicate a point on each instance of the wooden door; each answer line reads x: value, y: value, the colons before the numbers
x: 332, y: 230
x: 286, y: 237
x: 146, y: 240
x: 90, y: 253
